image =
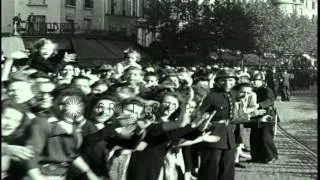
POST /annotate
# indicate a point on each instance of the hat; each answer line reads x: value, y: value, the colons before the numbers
x: 226, y: 72
x: 244, y: 81
x: 243, y: 75
x: 19, y: 76
x: 46, y: 86
x: 40, y: 75
x: 106, y: 67
x: 258, y: 76
x: 70, y: 91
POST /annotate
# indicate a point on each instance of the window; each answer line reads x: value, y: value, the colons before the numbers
x: 302, y: 1
x: 132, y: 8
x: 71, y: 2
x: 88, y: 3
x: 123, y: 30
x: 37, y: 2
x: 112, y: 28
x: 313, y: 5
x: 87, y: 24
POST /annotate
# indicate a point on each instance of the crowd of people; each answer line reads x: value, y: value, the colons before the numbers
x: 130, y: 122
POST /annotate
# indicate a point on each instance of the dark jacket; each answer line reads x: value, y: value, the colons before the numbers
x: 265, y: 97
x: 52, y: 65
x: 218, y: 100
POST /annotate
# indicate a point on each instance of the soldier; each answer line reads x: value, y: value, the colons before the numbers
x: 217, y: 159
x: 262, y: 144
x: 272, y: 81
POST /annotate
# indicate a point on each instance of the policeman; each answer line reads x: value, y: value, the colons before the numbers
x: 262, y: 144
x: 217, y: 159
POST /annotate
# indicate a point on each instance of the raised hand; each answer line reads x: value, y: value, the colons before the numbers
x: 126, y: 132
x: 69, y: 57
x: 18, y: 153
x: 92, y: 176
x: 208, y: 137
x: 22, y: 54
x: 258, y: 112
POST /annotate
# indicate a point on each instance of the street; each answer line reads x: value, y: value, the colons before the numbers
x: 296, y: 141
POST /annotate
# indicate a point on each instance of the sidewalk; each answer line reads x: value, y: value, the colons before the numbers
x: 299, y: 119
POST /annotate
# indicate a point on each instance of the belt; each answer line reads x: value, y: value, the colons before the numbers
x: 54, y: 169
x: 222, y: 121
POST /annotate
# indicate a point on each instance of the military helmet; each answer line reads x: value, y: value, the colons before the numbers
x: 226, y: 72
x: 258, y: 76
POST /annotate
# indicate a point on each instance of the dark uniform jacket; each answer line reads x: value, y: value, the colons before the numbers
x: 223, y: 103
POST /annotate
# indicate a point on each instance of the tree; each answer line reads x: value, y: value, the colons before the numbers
x: 280, y: 33
x: 254, y: 27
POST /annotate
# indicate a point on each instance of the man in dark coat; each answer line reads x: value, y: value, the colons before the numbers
x: 273, y: 81
x: 30, y: 23
x: 285, y: 85
x: 17, y: 24
x: 262, y: 144
x: 217, y: 159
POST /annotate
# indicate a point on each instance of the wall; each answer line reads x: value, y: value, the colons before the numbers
x: 7, y: 14
x: 78, y: 13
x: 98, y: 14
x: 51, y: 11
x: 121, y: 22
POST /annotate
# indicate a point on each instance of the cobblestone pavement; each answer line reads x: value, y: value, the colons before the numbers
x: 296, y: 141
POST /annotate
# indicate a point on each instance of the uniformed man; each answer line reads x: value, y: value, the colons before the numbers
x: 217, y: 159
x: 262, y: 144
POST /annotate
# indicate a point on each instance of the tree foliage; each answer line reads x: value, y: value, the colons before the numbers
x: 255, y: 27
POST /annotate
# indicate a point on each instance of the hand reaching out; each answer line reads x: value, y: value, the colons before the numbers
x: 126, y: 132
x: 208, y: 137
x: 22, y: 54
x: 18, y: 153
x: 258, y: 112
x: 69, y: 57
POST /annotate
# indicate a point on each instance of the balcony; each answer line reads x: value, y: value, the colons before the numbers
x: 48, y: 29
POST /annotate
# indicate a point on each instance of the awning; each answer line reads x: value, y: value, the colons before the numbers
x: 91, y: 53
x: 117, y: 48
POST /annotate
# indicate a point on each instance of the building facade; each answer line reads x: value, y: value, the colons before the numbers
x: 308, y: 8
x: 122, y: 15
x: 54, y: 15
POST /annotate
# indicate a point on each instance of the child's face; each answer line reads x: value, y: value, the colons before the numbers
x: 68, y: 71
x: 133, y: 110
x: 130, y: 114
x: 104, y: 110
x: 10, y: 121
x: 169, y: 105
x: 83, y: 85
x: 151, y: 81
x: 132, y: 58
x: 244, y: 92
x: 134, y: 76
x: 47, y: 50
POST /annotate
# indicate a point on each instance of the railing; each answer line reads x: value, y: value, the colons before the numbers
x: 47, y: 28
